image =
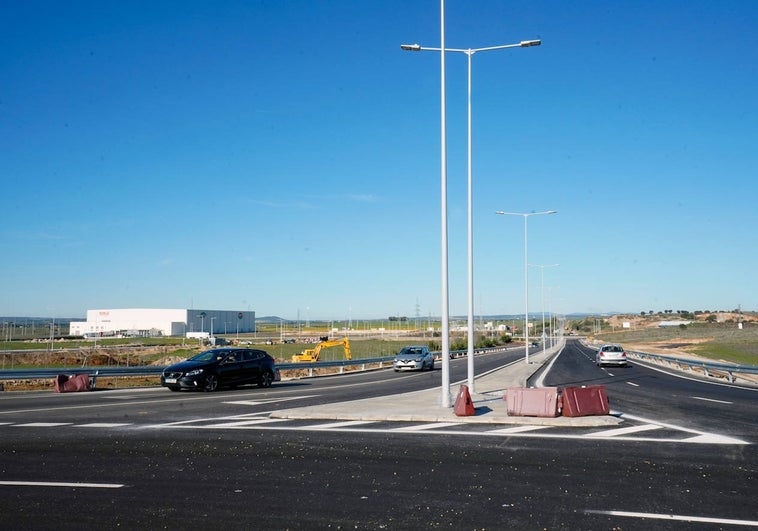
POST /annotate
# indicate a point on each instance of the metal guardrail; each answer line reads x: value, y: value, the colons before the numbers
x: 710, y: 369
x: 151, y: 370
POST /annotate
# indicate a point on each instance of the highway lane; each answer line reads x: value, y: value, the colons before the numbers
x: 665, y: 396
x: 162, y: 405
x: 136, y: 474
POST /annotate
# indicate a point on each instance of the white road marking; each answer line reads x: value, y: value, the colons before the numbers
x: 712, y: 400
x: 103, y: 425
x: 712, y: 438
x: 241, y: 423
x: 627, y: 430
x: 42, y: 424
x: 62, y: 484
x: 633, y: 384
x: 517, y: 429
x: 186, y: 396
x: 429, y: 426
x: 701, y: 436
x: 677, y: 517
x: 344, y: 424
x: 266, y: 400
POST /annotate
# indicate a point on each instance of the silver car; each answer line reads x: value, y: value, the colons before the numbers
x: 414, y: 358
x: 612, y: 354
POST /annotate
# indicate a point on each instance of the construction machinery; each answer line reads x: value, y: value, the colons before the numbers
x: 312, y: 354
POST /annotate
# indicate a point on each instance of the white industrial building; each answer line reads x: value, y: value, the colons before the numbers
x: 162, y: 322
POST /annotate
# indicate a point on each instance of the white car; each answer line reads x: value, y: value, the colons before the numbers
x: 414, y: 358
x: 611, y: 354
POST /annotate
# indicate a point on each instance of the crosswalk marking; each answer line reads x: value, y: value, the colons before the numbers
x: 261, y: 421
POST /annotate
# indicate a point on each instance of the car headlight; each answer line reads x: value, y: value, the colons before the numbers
x: 195, y: 372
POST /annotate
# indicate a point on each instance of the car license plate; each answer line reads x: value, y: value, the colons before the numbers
x: 170, y: 380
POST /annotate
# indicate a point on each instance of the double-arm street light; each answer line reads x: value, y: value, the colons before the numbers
x: 469, y: 53
x: 526, y: 215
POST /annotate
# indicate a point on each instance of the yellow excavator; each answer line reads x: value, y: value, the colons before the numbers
x: 312, y: 354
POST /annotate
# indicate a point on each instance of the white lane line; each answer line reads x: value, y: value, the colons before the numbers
x: 42, y: 424
x: 343, y: 424
x: 430, y: 426
x: 517, y: 429
x: 712, y: 400
x: 103, y: 425
x: 202, y: 397
x: 242, y: 423
x: 677, y: 517
x: 254, y: 416
x: 267, y: 400
x: 633, y: 384
x: 62, y: 484
x: 626, y: 431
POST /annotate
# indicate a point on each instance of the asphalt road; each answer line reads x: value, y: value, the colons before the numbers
x: 156, y: 459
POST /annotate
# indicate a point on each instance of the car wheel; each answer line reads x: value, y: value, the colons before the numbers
x: 266, y: 379
x: 211, y: 383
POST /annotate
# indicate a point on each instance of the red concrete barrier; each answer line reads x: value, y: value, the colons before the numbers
x: 585, y: 401
x: 464, y: 407
x: 532, y: 402
x: 70, y: 384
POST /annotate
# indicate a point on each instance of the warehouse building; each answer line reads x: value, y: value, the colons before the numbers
x: 151, y: 322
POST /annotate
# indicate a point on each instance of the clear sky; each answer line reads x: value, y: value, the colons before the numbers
x: 284, y: 156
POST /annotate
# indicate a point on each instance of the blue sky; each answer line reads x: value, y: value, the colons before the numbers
x: 284, y: 156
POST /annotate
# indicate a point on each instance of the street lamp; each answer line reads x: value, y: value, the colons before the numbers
x: 445, y: 325
x: 542, y: 296
x: 469, y: 53
x: 526, y: 215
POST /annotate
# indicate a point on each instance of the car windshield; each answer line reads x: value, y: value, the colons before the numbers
x: 209, y: 355
x: 411, y: 350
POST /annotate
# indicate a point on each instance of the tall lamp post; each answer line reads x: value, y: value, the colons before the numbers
x: 542, y: 296
x: 469, y: 53
x: 445, y: 313
x: 526, y: 215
